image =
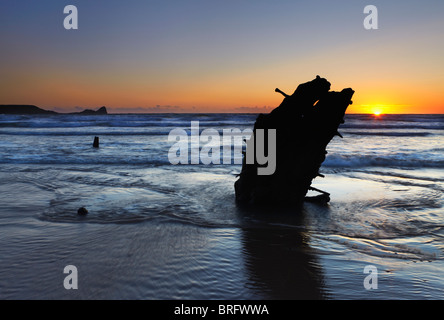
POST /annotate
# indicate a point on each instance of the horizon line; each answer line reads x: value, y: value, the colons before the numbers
x: 176, y: 110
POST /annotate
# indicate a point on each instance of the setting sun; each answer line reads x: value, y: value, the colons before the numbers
x: 377, y: 109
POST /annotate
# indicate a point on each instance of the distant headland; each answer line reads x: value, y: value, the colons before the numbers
x: 30, y: 109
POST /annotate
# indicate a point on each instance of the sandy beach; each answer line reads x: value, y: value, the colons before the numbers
x: 160, y: 231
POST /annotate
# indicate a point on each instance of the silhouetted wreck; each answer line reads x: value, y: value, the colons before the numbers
x: 305, y: 123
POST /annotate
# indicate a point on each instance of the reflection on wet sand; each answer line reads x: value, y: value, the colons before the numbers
x: 279, y: 262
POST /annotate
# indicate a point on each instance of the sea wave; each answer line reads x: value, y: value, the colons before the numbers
x: 394, y: 126
x: 85, y: 133
x: 125, y: 121
x: 404, y: 161
x: 390, y: 133
x: 332, y: 161
x: 411, y: 141
x: 117, y: 124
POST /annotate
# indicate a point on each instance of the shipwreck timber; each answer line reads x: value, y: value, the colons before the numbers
x: 305, y: 122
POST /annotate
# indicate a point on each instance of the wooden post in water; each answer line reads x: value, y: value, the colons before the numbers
x: 96, y: 142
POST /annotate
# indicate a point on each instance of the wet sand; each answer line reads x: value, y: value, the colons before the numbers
x: 221, y: 253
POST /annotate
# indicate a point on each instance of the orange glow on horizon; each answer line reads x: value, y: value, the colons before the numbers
x: 252, y: 93
x: 232, y: 63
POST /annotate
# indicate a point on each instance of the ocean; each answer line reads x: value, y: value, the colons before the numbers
x: 161, y: 231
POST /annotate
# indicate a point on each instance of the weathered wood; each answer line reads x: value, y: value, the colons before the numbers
x: 305, y: 123
x: 96, y: 142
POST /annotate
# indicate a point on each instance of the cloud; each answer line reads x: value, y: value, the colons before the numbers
x: 166, y: 109
x: 264, y: 109
x: 156, y: 109
x: 68, y: 109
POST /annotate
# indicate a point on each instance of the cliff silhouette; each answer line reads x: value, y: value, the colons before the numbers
x: 34, y: 110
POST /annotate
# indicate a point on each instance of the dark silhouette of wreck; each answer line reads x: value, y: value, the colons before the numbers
x: 305, y: 123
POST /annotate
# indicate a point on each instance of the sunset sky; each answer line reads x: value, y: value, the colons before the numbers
x: 220, y: 56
